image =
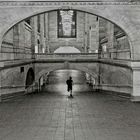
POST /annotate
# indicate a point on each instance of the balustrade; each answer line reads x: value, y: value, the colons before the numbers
x: 67, y: 56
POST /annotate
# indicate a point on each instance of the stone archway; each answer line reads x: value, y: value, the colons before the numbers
x: 118, y: 13
x: 54, y: 67
x: 126, y: 15
x: 30, y: 78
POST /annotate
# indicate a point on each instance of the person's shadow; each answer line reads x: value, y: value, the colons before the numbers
x: 70, y: 97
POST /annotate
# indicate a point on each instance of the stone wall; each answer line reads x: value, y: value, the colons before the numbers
x: 124, y: 14
x: 55, y: 42
x: 123, y: 21
x: 91, y: 33
x: 26, y: 37
x: 87, y: 30
x: 17, y: 42
x: 13, y: 79
x: 26, y: 40
x: 114, y: 42
x: 115, y: 78
x: 109, y: 76
x: 42, y: 68
x: 17, y: 47
x: 7, y: 46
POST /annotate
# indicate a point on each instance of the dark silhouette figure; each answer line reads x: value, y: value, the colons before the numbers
x: 69, y: 83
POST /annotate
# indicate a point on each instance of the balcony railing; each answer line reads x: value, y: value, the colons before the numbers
x: 12, y: 58
x: 66, y: 56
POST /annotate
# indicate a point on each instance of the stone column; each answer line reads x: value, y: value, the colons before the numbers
x: 86, y: 34
x: 94, y: 38
x: 0, y: 85
x: 93, y: 27
x: 22, y: 40
x: 15, y: 40
x: 135, y: 49
x: 136, y: 81
x: 46, y: 30
x: 110, y: 37
x: 41, y: 33
x: 34, y: 34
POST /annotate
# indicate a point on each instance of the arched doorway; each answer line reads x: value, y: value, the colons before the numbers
x: 57, y: 81
x: 30, y: 77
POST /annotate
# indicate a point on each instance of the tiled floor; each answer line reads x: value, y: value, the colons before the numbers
x: 88, y: 116
x: 55, y: 116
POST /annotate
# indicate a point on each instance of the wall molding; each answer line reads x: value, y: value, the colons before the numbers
x: 66, y: 3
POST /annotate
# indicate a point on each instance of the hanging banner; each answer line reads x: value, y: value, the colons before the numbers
x: 66, y: 24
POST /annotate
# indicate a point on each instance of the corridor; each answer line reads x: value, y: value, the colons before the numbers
x: 52, y: 115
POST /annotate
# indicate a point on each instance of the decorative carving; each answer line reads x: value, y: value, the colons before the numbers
x: 67, y: 3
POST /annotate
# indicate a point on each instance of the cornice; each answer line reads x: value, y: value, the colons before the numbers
x: 65, y: 3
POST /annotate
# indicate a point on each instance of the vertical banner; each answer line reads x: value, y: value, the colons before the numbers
x: 66, y: 24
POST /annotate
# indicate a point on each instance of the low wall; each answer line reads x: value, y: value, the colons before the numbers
x: 13, y: 78
x: 115, y: 77
x: 110, y: 76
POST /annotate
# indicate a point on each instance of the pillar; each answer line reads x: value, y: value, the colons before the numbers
x: 41, y: 33
x: 110, y: 38
x: 86, y: 34
x: 92, y: 33
x: 15, y: 40
x: 0, y: 85
x: 34, y: 34
x: 22, y: 44
x: 47, y: 32
x: 136, y: 81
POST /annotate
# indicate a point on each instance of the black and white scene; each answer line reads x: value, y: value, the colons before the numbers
x: 70, y: 70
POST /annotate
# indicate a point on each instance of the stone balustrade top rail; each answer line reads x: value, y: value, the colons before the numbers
x: 67, y: 56
x: 66, y: 2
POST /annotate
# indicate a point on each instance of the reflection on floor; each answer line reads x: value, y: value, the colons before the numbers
x: 55, y: 116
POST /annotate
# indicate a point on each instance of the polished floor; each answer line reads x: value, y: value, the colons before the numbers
x: 53, y: 115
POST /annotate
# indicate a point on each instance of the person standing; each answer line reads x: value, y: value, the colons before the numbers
x: 69, y: 85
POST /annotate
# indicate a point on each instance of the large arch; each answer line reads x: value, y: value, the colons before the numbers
x: 54, y: 68
x: 126, y: 15
x: 117, y: 13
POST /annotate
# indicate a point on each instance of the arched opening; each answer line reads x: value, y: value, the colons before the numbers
x: 85, y: 117
x: 89, y: 33
x: 55, y: 81
x: 30, y: 77
x: 67, y: 50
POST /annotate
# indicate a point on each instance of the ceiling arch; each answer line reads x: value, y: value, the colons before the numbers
x: 118, y: 13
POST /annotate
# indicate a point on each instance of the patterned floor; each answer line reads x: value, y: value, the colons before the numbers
x: 53, y: 115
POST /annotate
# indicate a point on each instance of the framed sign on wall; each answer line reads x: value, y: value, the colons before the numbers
x: 66, y: 24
